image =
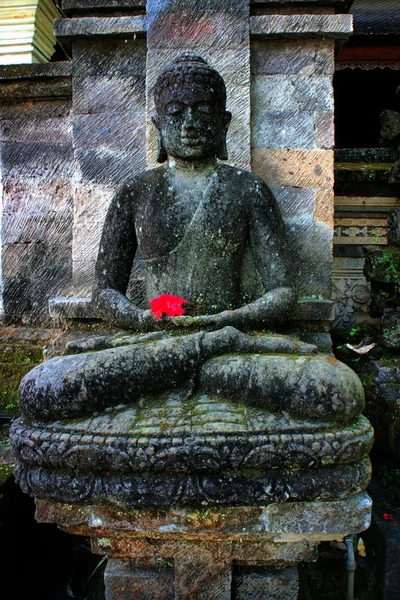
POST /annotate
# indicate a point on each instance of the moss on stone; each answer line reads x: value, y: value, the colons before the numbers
x: 16, y: 360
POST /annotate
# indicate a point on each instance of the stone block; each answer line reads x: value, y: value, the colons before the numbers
x: 115, y: 130
x: 292, y: 93
x: 309, y: 517
x: 303, y: 168
x: 295, y: 202
x: 109, y: 165
x: 324, y: 206
x: 291, y: 57
x: 259, y: 584
x: 314, y: 310
x: 25, y: 127
x: 76, y: 5
x: 25, y: 89
x: 274, y: 129
x: 53, y: 227
x: 324, y: 129
x: 41, y: 71
x: 46, y: 109
x: 110, y: 58
x: 198, y: 29
x: 106, y: 94
x: 37, y: 160
x: 125, y: 580
x: 32, y: 274
x: 95, y: 27
x: 71, y: 308
x: 311, y: 248
x: 30, y: 194
x: 302, y: 26
x: 83, y: 275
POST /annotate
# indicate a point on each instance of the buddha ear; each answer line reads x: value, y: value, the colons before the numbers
x: 223, y: 150
x: 161, y: 151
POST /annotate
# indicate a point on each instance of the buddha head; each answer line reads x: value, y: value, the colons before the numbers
x: 191, y: 119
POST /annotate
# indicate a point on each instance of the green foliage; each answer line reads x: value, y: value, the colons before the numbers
x: 388, y: 263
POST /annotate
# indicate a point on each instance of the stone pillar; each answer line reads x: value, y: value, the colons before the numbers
x: 108, y: 120
x: 292, y: 139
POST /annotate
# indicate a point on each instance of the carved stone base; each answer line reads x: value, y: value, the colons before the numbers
x: 227, y: 553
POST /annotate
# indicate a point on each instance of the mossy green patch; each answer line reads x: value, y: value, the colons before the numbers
x: 16, y: 360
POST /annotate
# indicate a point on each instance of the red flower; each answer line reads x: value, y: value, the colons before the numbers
x: 168, y: 304
x: 390, y: 518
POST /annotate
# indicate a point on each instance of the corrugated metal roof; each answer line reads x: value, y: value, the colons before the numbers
x: 376, y: 17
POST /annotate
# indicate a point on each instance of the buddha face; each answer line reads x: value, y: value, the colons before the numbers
x: 191, y: 123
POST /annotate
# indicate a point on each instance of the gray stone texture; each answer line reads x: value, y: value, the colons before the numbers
x: 36, y: 170
x: 125, y: 580
x: 302, y: 26
x: 256, y: 585
x: 109, y: 138
x: 292, y: 128
x: 382, y: 393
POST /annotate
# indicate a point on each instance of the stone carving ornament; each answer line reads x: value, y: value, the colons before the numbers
x: 203, y: 407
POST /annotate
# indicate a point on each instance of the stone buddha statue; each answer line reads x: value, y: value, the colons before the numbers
x: 211, y: 234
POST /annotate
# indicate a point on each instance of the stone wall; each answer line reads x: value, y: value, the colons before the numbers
x: 37, y: 195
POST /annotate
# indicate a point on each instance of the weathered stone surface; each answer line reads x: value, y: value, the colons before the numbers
x: 391, y: 329
x: 219, y: 28
x: 92, y: 27
x: 22, y: 82
x: 324, y: 206
x: 123, y: 131
x: 27, y: 128
x: 263, y: 539
x: 152, y: 490
x: 283, y: 129
x: 294, y: 202
x: 107, y: 94
x: 290, y: 57
x: 292, y: 93
x: 382, y: 393
x: 71, y: 308
x: 324, y: 129
x: 40, y: 195
x: 125, y: 580
x: 87, y: 5
x: 116, y: 58
x: 36, y: 160
x: 217, y: 430
x: 51, y: 227
x: 310, y: 310
x: 302, y: 26
x: 109, y: 165
x: 303, y: 168
x: 42, y: 71
x: 276, y: 585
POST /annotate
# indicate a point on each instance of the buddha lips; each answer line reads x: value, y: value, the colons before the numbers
x: 167, y: 303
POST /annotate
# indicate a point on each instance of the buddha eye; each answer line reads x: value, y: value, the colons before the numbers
x: 204, y: 108
x: 174, y: 109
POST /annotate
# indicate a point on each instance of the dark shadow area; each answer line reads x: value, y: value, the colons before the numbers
x: 360, y: 97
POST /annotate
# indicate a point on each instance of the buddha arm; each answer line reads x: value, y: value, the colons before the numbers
x: 114, y: 263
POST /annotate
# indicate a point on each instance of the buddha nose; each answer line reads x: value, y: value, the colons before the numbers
x: 189, y: 119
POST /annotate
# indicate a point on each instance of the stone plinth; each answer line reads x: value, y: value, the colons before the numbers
x: 222, y: 553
